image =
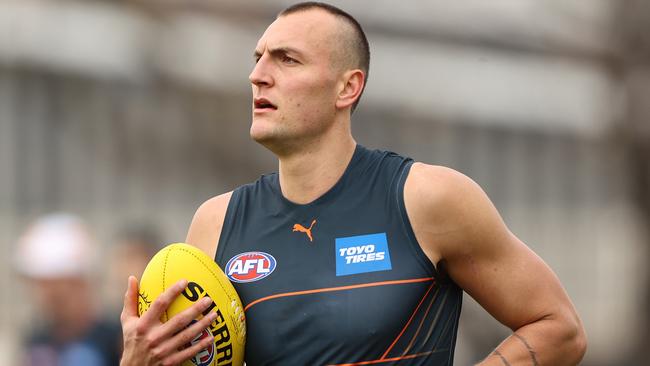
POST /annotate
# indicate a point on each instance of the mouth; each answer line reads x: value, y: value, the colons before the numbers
x: 263, y: 104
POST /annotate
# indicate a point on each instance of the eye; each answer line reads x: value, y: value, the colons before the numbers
x: 289, y: 60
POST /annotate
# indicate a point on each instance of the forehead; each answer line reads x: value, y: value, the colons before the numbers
x: 308, y: 31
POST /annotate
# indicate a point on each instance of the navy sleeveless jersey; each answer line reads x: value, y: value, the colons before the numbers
x: 341, y: 280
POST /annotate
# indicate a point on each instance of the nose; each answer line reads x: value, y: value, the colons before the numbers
x: 260, y: 76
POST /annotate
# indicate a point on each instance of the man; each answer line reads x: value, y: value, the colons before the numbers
x: 54, y: 257
x: 363, y: 253
x: 131, y: 250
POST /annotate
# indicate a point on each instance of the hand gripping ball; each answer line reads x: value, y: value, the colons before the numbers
x: 182, y: 261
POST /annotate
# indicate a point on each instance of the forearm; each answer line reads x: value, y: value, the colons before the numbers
x: 545, y: 342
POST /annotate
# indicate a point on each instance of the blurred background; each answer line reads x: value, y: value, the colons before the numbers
x: 131, y: 113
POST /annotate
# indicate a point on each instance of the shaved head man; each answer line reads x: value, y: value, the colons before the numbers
x: 360, y: 256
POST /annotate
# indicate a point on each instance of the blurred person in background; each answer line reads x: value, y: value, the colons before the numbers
x: 129, y: 254
x: 55, y: 257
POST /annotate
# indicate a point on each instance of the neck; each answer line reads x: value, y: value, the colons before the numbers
x: 308, y: 174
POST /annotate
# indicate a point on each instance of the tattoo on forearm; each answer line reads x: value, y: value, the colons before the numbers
x: 531, y: 352
x: 503, y: 359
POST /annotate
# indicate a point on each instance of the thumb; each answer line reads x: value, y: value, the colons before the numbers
x: 130, y: 308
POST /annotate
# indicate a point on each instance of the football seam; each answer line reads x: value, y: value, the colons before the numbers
x: 164, y: 272
x: 216, y: 276
x: 209, y: 269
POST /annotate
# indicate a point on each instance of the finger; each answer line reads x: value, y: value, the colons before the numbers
x: 189, y: 352
x: 183, y: 338
x: 130, y: 308
x: 160, y: 305
x: 182, y: 319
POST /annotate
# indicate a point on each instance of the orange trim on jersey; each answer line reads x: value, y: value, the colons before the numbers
x: 386, y: 359
x: 341, y: 288
x: 407, y: 323
x: 424, y: 317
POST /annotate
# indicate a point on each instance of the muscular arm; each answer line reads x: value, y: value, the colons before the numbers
x: 205, y: 229
x: 456, y: 223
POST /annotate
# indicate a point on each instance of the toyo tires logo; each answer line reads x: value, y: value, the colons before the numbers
x: 250, y: 266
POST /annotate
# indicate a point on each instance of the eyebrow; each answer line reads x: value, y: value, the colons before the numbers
x: 279, y: 51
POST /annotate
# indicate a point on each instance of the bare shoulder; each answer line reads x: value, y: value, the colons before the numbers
x: 205, y: 229
x: 446, y: 209
x: 438, y: 182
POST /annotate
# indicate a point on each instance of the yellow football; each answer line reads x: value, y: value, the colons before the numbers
x: 183, y: 261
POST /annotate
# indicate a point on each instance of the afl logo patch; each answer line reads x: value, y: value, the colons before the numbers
x: 206, y: 355
x: 250, y: 266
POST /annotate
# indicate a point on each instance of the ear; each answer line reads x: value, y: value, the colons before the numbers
x: 350, y: 88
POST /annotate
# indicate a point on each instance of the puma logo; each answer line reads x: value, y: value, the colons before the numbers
x: 302, y: 229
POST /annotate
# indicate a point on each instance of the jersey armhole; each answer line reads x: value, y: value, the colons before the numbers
x: 406, y: 223
x: 228, y: 224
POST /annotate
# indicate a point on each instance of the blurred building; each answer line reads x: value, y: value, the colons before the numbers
x: 141, y: 109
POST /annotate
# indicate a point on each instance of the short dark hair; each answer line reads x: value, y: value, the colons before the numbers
x: 361, y: 46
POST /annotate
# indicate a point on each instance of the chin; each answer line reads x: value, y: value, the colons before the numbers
x: 263, y: 130
x: 263, y: 137
x: 272, y: 142
x: 259, y: 134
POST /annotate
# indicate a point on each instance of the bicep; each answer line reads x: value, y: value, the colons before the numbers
x: 456, y: 223
x: 508, y: 279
